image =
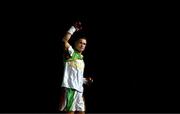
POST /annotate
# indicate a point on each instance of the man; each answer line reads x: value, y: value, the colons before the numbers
x: 72, y: 84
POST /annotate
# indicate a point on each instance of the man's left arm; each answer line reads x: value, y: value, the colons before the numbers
x: 87, y: 81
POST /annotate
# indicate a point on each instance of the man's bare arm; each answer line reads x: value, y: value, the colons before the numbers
x: 67, y: 36
x: 76, y: 27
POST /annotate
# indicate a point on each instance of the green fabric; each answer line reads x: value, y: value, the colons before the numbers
x: 75, y: 56
x: 70, y: 99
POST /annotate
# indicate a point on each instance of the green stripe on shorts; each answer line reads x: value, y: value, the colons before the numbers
x: 70, y: 98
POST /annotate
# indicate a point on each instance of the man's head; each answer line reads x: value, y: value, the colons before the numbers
x: 80, y: 44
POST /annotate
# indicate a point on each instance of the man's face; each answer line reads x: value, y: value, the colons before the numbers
x: 80, y: 45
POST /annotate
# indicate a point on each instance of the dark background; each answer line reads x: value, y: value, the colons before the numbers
x: 131, y: 54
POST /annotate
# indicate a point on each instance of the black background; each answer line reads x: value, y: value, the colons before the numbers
x: 131, y: 54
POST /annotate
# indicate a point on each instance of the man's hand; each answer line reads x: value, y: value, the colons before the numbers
x: 77, y: 25
x: 89, y: 80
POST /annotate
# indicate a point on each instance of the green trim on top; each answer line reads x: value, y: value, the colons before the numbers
x: 75, y: 56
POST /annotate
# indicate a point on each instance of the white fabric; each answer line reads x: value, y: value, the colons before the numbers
x: 73, y: 73
x: 72, y: 30
x: 78, y: 102
x: 70, y: 50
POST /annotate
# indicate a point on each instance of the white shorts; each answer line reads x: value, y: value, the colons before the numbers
x: 71, y: 100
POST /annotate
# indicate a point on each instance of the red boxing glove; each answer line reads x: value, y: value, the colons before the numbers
x: 77, y: 25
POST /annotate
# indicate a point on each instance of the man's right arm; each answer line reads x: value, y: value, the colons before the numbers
x: 76, y: 27
x: 67, y: 36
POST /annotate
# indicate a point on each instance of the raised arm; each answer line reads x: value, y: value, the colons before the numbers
x: 75, y: 27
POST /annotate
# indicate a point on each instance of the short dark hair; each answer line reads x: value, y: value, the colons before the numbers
x: 77, y: 39
x: 80, y: 35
